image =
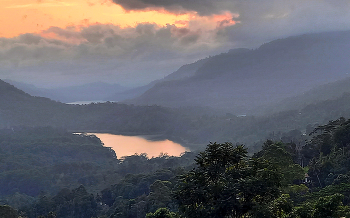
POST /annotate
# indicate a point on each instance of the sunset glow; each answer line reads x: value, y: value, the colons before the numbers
x: 130, y: 145
x: 28, y: 16
x: 134, y: 42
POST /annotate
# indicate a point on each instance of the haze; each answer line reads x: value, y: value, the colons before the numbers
x: 54, y: 43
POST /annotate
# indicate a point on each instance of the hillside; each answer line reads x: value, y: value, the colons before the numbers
x: 329, y: 91
x: 183, y: 72
x: 20, y: 108
x: 244, y: 80
x: 192, y: 127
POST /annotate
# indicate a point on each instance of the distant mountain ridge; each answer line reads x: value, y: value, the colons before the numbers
x: 192, y: 126
x: 88, y: 92
x: 243, y: 80
x: 184, y: 72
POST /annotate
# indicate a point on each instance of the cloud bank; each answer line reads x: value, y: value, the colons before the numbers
x: 145, y: 52
x: 130, y: 56
x: 203, y: 7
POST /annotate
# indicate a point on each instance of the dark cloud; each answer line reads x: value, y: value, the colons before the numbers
x: 68, y: 33
x: 203, y: 7
x: 190, y: 39
x: 94, y: 34
x: 102, y: 52
x: 260, y: 22
x: 29, y: 39
x: 30, y: 48
x: 110, y: 53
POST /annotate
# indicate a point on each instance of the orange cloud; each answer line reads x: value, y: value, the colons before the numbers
x: 24, y: 16
x: 225, y: 19
x: 46, y: 13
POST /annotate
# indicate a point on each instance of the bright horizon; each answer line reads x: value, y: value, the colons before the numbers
x: 29, y: 17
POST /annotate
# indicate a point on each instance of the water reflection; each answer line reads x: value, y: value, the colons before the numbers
x: 129, y: 145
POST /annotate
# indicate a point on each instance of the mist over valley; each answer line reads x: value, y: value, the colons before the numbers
x: 119, y: 109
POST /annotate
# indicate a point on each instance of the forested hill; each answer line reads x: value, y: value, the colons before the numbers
x: 192, y: 127
x: 10, y: 93
x: 41, y: 169
x: 19, y: 108
x: 183, y: 72
x: 329, y: 91
x: 246, y: 79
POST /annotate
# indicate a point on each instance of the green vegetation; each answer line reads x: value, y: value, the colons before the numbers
x: 48, y: 172
x: 193, y: 127
x: 227, y: 184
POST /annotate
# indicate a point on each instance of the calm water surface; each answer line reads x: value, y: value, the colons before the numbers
x: 129, y: 145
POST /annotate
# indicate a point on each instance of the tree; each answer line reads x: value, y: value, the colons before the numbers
x: 162, y: 213
x: 7, y: 212
x: 226, y: 183
x: 331, y: 152
x: 327, y: 207
x: 160, y: 194
x: 276, y: 153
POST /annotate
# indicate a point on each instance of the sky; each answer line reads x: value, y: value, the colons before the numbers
x: 54, y: 43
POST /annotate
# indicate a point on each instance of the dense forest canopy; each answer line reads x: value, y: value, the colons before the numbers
x: 48, y: 172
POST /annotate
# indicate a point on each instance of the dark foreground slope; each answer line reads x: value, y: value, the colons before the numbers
x: 243, y: 80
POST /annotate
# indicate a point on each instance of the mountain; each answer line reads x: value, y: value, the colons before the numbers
x: 329, y: 91
x: 186, y: 71
x: 242, y: 81
x: 191, y: 127
x: 88, y: 92
x: 20, y: 108
x: 96, y: 91
x: 33, y: 90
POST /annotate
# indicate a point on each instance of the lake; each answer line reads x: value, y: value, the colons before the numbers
x: 88, y: 102
x: 129, y: 145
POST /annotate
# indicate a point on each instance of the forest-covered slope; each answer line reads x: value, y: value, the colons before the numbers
x: 192, y: 127
x: 247, y: 79
x: 329, y: 91
x: 301, y: 178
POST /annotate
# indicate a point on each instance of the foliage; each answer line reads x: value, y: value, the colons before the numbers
x: 226, y: 183
x: 277, y: 155
x: 7, y: 212
x: 162, y: 213
x: 47, y: 159
x: 328, y: 206
x: 75, y: 203
x: 44, y: 160
x: 41, y: 170
x: 330, y: 146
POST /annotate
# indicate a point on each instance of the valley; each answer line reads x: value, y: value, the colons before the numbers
x: 281, y: 108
